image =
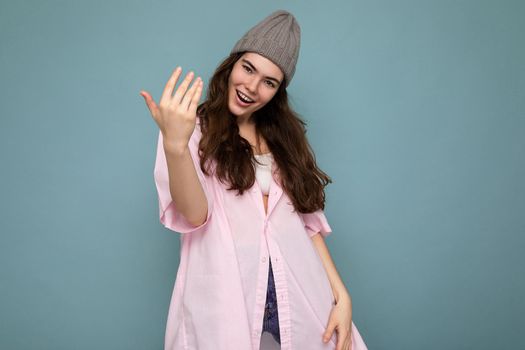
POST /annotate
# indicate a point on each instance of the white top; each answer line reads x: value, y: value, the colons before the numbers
x: 263, y: 172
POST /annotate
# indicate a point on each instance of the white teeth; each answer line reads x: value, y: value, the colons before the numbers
x: 244, y: 97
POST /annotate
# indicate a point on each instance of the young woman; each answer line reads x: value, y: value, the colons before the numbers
x: 236, y: 177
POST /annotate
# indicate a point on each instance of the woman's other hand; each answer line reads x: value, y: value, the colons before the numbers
x: 340, y: 320
x: 176, y: 115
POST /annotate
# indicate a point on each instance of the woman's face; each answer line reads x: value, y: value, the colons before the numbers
x: 254, y: 78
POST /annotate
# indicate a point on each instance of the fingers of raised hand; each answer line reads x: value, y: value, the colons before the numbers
x: 170, y: 85
x: 183, y: 87
x: 192, y: 97
x: 196, y: 97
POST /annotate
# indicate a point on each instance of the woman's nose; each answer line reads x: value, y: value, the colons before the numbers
x: 252, y: 86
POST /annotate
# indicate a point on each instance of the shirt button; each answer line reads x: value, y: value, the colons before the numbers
x: 263, y: 259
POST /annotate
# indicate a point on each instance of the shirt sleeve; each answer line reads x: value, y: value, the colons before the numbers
x: 170, y: 217
x: 316, y: 222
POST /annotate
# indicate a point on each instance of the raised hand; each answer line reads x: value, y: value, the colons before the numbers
x: 176, y: 115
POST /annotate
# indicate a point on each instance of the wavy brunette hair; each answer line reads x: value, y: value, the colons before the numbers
x: 285, y: 135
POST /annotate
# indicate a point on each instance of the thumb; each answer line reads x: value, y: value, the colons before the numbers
x: 329, y: 331
x: 152, y: 106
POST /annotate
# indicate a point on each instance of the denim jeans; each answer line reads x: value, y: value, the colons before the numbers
x: 271, y: 316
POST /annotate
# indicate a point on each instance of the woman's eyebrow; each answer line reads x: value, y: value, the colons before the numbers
x: 255, y: 69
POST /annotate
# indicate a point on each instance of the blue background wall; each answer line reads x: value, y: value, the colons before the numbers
x: 415, y: 109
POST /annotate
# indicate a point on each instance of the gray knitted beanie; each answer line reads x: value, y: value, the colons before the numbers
x: 277, y: 37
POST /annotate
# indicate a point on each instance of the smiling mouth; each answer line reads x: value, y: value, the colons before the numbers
x: 243, y: 97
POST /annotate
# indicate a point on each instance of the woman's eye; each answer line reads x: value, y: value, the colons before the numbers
x: 268, y: 82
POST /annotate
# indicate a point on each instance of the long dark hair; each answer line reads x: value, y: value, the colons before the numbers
x: 285, y: 135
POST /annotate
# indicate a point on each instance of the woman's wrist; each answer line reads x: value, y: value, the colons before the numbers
x: 175, y: 147
x: 342, y: 295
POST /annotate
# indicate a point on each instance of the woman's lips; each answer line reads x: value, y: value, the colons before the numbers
x: 239, y: 101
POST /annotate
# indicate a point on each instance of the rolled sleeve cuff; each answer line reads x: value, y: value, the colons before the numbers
x: 316, y: 222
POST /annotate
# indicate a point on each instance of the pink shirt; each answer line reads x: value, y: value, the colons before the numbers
x: 220, y: 290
